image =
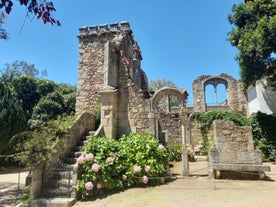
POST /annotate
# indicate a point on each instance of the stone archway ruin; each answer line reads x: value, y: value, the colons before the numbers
x: 236, y: 99
x: 167, y: 93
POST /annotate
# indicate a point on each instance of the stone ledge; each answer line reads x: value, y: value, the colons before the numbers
x: 240, y: 167
x: 54, y: 202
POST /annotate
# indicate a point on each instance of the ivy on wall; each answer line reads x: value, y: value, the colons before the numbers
x: 263, y: 129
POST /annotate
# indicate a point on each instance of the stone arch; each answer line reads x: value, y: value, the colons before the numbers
x: 199, y: 86
x: 168, y: 92
x: 215, y: 81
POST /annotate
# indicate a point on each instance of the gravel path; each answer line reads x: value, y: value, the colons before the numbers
x: 197, y: 191
x: 12, y: 182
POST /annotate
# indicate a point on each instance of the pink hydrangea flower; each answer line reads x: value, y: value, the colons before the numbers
x: 110, y: 160
x: 95, y: 167
x: 169, y: 172
x: 145, y: 179
x: 161, y: 147
x: 162, y: 180
x: 80, y: 159
x: 89, y: 186
x: 89, y: 157
x: 147, y: 168
x: 99, y: 185
x: 124, y: 177
x: 137, y: 169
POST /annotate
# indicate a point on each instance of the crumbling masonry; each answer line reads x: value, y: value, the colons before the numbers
x: 110, y: 75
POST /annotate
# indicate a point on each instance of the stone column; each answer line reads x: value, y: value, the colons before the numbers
x: 37, y: 181
x: 110, y: 66
x: 213, y: 159
x: 168, y: 104
x: 184, y: 124
x: 109, y: 105
x: 152, y: 128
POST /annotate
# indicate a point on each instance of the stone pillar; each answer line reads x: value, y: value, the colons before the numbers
x: 110, y: 66
x: 109, y: 105
x: 152, y: 128
x: 184, y: 125
x: 37, y: 181
x: 168, y: 104
x: 213, y: 159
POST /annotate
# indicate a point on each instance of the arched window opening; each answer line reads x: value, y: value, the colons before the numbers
x: 222, y: 95
x: 210, y: 96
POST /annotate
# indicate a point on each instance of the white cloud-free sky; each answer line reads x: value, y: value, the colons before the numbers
x: 180, y: 40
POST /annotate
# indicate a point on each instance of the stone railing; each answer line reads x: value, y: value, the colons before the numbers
x: 84, y: 123
x: 95, y: 29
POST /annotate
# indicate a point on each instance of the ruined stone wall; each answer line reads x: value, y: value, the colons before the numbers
x: 236, y: 98
x: 235, y: 143
x: 170, y: 127
x: 110, y: 66
x: 195, y: 134
x: 90, y: 72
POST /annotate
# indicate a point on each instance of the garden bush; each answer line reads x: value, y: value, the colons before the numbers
x: 175, y: 151
x: 133, y: 160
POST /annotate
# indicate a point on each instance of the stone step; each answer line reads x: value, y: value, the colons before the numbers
x: 61, y: 174
x: 91, y: 133
x: 61, y: 192
x: 86, y: 137
x: 59, y: 183
x: 70, y: 161
x: 78, y: 148
x: 74, y: 154
x: 53, y: 202
x: 82, y: 142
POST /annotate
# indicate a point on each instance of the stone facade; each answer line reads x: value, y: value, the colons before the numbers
x: 110, y: 75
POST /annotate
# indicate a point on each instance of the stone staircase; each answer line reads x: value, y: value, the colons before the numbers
x: 59, y: 187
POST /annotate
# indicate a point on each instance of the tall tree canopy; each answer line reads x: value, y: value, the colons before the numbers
x: 158, y: 83
x: 254, y: 36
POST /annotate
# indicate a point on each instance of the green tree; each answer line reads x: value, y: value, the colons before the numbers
x: 255, y: 38
x: 25, y: 89
x: 3, y: 32
x: 12, y: 119
x: 158, y: 83
x: 19, y: 68
x: 45, y: 110
x: 45, y: 87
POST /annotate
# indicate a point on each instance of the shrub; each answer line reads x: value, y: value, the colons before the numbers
x: 175, y: 151
x: 134, y: 160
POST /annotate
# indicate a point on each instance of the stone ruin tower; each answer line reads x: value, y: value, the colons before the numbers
x: 110, y: 75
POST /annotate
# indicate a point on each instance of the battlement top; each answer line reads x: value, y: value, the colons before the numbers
x: 96, y: 29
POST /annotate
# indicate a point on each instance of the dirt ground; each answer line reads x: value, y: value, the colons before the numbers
x: 12, y: 182
x: 197, y: 190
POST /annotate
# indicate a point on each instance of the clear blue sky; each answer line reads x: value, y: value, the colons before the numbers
x: 180, y: 40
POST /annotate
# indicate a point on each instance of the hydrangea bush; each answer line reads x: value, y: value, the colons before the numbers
x: 133, y: 160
